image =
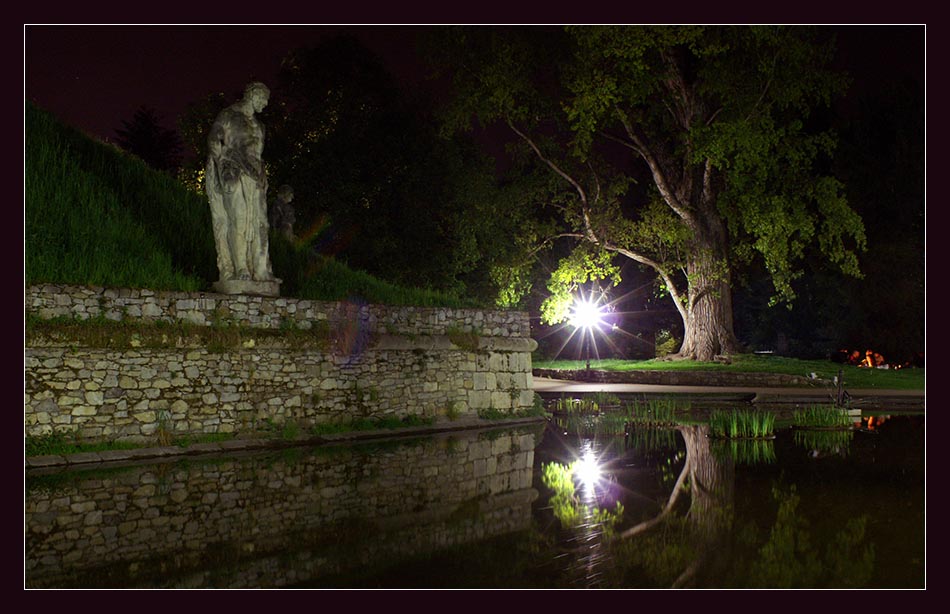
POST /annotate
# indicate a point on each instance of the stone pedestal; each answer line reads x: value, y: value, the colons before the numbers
x: 240, y: 286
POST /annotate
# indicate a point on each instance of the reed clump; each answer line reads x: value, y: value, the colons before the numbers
x: 740, y: 423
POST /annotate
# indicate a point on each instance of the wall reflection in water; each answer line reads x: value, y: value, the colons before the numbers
x: 655, y: 508
x: 276, y: 519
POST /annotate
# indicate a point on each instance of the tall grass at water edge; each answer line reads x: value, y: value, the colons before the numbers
x: 584, y: 417
x: 822, y: 416
x: 652, y: 410
x: 745, y: 451
x: 656, y: 412
x: 650, y: 440
x: 825, y: 443
x: 740, y: 423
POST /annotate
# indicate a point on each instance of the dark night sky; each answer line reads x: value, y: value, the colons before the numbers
x: 94, y: 77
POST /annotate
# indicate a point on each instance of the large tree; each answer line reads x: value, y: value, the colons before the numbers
x: 716, y: 125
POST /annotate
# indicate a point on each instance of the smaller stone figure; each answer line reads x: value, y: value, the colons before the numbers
x: 281, y: 213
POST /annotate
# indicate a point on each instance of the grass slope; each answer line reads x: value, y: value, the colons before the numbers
x: 96, y: 216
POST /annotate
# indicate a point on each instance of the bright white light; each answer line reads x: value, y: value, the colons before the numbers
x: 585, y: 314
x: 587, y: 471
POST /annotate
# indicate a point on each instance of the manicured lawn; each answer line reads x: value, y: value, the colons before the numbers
x: 854, y: 377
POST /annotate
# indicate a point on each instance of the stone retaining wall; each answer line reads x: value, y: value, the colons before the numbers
x: 276, y: 519
x: 360, y: 361
x: 206, y: 308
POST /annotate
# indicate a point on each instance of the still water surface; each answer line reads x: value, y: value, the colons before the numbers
x: 497, y: 508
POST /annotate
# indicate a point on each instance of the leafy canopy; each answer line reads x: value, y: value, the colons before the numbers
x: 655, y: 135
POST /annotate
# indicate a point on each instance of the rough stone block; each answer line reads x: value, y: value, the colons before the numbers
x: 502, y: 445
x: 500, y: 400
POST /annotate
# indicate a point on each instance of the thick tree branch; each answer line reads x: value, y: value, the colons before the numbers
x: 596, y: 182
x: 659, y: 176
x: 679, y: 92
x: 765, y: 89
x: 585, y: 207
x: 623, y: 142
x: 554, y: 167
x: 688, y: 574
x: 661, y: 271
x: 671, y: 502
x: 707, y: 183
x: 635, y: 256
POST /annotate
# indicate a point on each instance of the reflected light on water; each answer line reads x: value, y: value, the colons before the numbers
x: 588, y: 472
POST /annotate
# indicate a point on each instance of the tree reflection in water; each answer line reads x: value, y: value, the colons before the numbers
x: 696, y: 539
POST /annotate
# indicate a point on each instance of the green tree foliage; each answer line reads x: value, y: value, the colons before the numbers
x: 375, y: 185
x: 787, y: 553
x: 193, y: 125
x: 714, y: 124
x: 881, y: 161
x: 581, y: 266
x: 374, y: 179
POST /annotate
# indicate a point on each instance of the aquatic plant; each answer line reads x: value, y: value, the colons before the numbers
x: 822, y: 416
x: 825, y: 443
x: 589, y: 425
x: 746, y: 451
x: 565, y: 405
x: 741, y: 423
x: 655, y: 412
x: 605, y: 399
x: 650, y: 440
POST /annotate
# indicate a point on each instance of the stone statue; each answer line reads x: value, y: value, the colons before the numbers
x: 281, y: 213
x: 236, y: 184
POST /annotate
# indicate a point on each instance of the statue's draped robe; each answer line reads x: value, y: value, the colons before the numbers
x: 236, y: 185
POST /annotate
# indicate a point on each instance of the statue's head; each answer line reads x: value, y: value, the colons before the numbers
x: 258, y: 94
x: 285, y: 193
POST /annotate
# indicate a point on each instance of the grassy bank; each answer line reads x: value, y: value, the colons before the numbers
x: 95, y: 215
x: 308, y: 275
x: 854, y: 377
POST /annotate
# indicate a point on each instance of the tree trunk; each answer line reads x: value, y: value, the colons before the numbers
x: 708, y: 328
x: 712, y: 494
x: 712, y: 483
x: 707, y: 325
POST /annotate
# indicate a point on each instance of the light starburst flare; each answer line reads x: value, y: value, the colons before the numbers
x: 586, y: 314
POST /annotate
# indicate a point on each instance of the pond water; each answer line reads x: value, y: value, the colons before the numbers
x: 499, y: 508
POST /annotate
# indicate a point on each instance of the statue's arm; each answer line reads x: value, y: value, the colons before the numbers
x: 218, y: 138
